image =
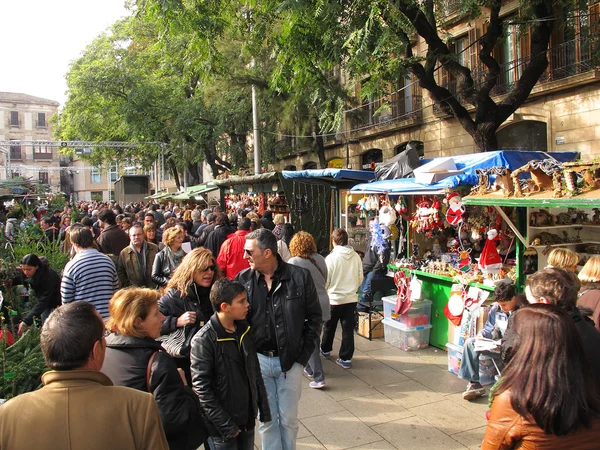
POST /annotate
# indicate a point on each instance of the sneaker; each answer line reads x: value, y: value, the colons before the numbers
x: 325, y: 355
x: 308, y: 374
x: 344, y: 364
x: 474, y: 390
x: 317, y: 384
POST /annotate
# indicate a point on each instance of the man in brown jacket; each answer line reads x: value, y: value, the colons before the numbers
x: 134, y: 266
x: 78, y: 407
x: 112, y: 239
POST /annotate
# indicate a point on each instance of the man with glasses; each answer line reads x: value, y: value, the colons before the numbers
x: 79, y: 407
x: 134, y: 266
x: 285, y: 315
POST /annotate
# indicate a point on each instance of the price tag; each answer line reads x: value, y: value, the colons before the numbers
x: 9, y: 375
x: 13, y: 313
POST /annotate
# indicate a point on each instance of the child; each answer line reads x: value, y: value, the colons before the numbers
x: 225, y: 371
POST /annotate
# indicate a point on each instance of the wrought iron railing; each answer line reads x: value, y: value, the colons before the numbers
x: 404, y: 104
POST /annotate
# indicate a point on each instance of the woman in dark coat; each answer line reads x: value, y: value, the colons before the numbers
x: 45, y: 283
x: 135, y: 359
x: 187, y: 302
x: 169, y: 257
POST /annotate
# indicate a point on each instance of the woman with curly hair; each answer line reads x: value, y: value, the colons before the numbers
x: 169, y: 258
x: 187, y: 301
x: 304, y: 254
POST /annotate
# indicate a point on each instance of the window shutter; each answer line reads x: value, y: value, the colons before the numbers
x: 474, y: 46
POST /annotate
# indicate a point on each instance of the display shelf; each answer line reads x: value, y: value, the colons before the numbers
x: 571, y: 226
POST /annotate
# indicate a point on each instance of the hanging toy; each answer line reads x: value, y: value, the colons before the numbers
x: 455, y: 212
x: 387, y: 215
x: 400, y: 206
x: 378, y: 242
x: 464, y: 262
x: 403, y: 299
x: 490, y: 261
x: 426, y: 219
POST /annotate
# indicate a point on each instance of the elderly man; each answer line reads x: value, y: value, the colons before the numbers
x: 79, y: 407
x: 134, y: 267
x: 285, y: 316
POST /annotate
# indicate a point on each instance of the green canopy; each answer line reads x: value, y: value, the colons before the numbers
x: 193, y: 191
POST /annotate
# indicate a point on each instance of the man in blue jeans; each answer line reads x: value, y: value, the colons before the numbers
x: 494, y: 328
x: 285, y: 316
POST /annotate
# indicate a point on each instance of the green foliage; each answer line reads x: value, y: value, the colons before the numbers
x: 32, y: 240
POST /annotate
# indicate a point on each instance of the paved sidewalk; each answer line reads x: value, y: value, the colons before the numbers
x: 389, y: 399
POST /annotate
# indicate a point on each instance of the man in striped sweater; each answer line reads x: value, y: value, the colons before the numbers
x: 90, y: 276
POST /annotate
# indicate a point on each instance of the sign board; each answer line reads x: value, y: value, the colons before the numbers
x: 335, y: 163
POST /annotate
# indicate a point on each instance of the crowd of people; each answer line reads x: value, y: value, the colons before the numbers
x: 183, y: 326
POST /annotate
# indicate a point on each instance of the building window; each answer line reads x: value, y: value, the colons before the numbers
x: 42, y: 151
x: 41, y: 120
x: 96, y: 177
x: 15, y: 151
x: 96, y: 195
x: 15, y: 174
x: 43, y: 177
x: 114, y: 172
x: 14, y: 118
x: 371, y: 157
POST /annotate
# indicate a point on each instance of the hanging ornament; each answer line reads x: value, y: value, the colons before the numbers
x: 400, y: 206
x: 454, y: 214
x: 387, y: 215
x: 490, y: 261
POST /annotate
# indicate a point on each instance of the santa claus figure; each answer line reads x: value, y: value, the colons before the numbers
x: 455, y: 212
x: 490, y: 261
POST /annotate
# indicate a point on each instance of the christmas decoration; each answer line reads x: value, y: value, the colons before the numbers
x: 454, y: 214
x: 490, y: 261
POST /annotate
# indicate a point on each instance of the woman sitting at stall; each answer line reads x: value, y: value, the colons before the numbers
x: 169, y: 258
x: 531, y: 409
x: 187, y: 301
x: 135, y: 359
x: 589, y: 294
x: 563, y: 258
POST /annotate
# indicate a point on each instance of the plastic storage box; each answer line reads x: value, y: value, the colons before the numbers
x: 418, y: 315
x: 404, y: 337
x: 487, y: 369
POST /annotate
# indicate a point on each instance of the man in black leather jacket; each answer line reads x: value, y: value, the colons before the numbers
x: 285, y: 316
x: 225, y: 371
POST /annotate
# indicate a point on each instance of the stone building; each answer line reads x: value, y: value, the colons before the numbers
x: 27, y: 118
x: 562, y: 112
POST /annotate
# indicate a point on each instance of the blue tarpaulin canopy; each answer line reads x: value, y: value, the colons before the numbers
x: 338, y: 174
x: 511, y: 159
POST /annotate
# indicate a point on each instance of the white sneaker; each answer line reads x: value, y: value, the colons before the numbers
x: 317, y: 384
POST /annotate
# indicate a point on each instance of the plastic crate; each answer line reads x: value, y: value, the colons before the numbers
x: 406, y: 338
x: 454, y: 357
x: 418, y: 315
x: 487, y: 369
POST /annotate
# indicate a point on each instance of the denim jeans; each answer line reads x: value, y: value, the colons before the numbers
x: 345, y: 314
x: 469, y: 365
x: 243, y: 441
x: 314, y: 365
x: 283, y: 391
x: 364, y: 291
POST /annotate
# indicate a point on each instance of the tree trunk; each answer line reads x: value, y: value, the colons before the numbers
x: 485, y: 137
x: 319, y: 143
x: 174, y: 172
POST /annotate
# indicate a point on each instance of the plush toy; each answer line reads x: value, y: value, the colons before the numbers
x: 387, y: 215
x: 490, y: 261
x: 455, y: 212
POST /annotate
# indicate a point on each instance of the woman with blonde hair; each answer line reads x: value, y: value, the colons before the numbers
x: 186, y: 302
x: 279, y: 221
x: 169, y: 258
x: 304, y: 254
x: 563, y: 258
x: 589, y: 294
x: 135, y: 359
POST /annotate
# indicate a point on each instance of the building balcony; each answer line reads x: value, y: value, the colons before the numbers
x: 42, y: 156
x: 400, y: 108
x: 570, y: 65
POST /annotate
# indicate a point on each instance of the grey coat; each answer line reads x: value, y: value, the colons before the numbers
x: 319, y: 277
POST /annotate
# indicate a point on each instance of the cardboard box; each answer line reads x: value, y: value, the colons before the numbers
x: 376, y: 325
x: 436, y: 170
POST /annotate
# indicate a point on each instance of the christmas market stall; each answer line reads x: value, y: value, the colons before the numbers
x: 443, y: 251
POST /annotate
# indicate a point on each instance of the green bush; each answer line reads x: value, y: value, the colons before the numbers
x: 32, y: 240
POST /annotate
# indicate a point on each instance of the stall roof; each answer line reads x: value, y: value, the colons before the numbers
x: 263, y: 177
x: 511, y: 159
x: 337, y: 174
x: 544, y: 199
x: 193, y: 191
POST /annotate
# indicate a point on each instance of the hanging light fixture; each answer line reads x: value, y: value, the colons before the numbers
x: 274, y: 188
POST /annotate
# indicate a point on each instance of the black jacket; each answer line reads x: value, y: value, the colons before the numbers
x: 372, y: 263
x: 267, y: 223
x: 126, y: 363
x: 46, y: 287
x: 172, y: 306
x: 161, y: 269
x: 112, y: 240
x: 227, y: 379
x: 296, y: 309
x: 215, y: 240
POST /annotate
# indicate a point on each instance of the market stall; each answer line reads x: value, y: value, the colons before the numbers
x: 446, y: 244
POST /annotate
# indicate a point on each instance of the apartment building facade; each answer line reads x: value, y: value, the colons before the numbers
x: 27, y: 118
x: 562, y: 112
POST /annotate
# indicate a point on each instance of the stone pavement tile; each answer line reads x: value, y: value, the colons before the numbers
x: 375, y: 409
x: 478, y: 406
x: 433, y: 355
x: 342, y: 388
x: 449, y: 417
x: 413, y: 433
x: 472, y: 438
x: 380, y: 445
x: 364, y: 345
x: 302, y: 433
x: 309, y: 443
x: 332, y: 370
x: 375, y: 373
x: 409, y: 394
x: 436, y: 379
x: 396, y: 359
x: 316, y: 402
x: 340, y: 431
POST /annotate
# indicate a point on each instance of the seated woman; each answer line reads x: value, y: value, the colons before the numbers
x: 135, y: 359
x: 531, y: 409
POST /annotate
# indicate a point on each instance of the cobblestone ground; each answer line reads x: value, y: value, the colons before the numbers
x: 389, y: 399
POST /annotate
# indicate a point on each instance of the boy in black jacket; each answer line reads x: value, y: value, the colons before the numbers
x: 225, y: 371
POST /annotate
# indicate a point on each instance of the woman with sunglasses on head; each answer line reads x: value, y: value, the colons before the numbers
x: 187, y: 299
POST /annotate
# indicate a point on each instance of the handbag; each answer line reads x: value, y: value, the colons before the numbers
x: 178, y: 343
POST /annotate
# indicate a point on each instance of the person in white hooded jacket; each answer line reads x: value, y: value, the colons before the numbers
x: 344, y: 277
